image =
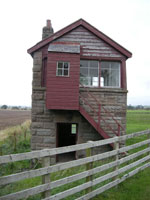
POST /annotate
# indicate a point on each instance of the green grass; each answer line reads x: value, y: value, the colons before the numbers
x: 138, y: 120
x: 138, y: 186
x: 134, y: 188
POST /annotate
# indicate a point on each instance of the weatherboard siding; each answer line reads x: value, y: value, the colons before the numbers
x: 63, y: 92
x: 91, y: 45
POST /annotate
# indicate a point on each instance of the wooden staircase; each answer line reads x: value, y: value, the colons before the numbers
x: 92, y: 113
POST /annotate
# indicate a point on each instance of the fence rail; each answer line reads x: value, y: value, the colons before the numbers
x: 118, y: 172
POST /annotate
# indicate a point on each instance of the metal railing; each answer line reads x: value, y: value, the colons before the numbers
x: 98, y: 113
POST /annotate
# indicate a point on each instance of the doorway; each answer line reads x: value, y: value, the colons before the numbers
x: 66, y: 136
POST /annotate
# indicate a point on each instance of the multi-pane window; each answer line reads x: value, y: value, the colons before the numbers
x: 100, y: 73
x: 62, y: 69
x: 110, y: 74
x: 89, y: 72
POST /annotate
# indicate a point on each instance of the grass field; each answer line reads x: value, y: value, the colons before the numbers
x: 138, y: 120
x: 135, y: 188
x: 138, y: 186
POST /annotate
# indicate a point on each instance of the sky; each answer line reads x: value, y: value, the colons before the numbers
x: 125, y: 21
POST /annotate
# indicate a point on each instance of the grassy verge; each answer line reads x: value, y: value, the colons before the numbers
x: 15, y: 139
x: 135, y: 188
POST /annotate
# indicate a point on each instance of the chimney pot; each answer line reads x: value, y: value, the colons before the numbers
x: 49, y: 23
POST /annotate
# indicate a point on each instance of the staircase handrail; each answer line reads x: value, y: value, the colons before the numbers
x: 88, y: 103
x: 90, y: 93
x: 98, y: 103
x: 113, y: 118
x: 97, y: 113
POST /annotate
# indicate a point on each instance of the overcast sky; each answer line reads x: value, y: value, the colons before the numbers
x: 125, y: 21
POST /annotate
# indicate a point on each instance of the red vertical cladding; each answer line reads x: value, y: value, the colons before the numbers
x: 44, y: 72
x: 123, y: 75
x: 63, y: 92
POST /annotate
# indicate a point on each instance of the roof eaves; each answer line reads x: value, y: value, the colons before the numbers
x: 54, y: 36
x: 107, y: 39
x: 88, y: 26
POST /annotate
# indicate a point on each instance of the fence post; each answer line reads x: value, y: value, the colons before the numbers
x: 89, y: 152
x: 116, y: 147
x: 46, y: 178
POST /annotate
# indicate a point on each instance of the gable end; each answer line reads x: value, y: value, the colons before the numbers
x: 89, y: 27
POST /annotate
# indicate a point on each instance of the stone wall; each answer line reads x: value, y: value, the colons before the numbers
x: 112, y: 100
x: 44, y: 122
x: 43, y: 128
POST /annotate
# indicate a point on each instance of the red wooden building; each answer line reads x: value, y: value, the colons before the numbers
x: 79, y: 86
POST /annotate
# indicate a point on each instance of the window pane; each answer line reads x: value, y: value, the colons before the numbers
x: 93, y: 72
x: 66, y: 65
x: 59, y: 73
x: 60, y: 65
x: 89, y: 73
x: 115, y: 77
x: 105, y: 65
x: 115, y: 65
x: 74, y: 129
x: 84, y: 81
x: 65, y: 72
x: 110, y: 72
x: 83, y: 63
x: 84, y: 72
x: 94, y: 64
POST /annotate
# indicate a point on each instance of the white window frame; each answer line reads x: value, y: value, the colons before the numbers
x: 100, y: 77
x: 63, y: 69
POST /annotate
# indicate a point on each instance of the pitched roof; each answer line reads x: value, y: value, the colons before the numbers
x: 89, y: 27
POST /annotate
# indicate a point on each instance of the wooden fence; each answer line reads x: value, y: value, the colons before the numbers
x: 121, y: 168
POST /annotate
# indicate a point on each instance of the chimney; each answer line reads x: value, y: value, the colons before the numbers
x: 47, y: 30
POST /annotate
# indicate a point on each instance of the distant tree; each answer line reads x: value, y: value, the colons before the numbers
x: 130, y: 107
x: 4, y: 107
x: 148, y: 108
x: 15, y: 108
x: 139, y: 107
